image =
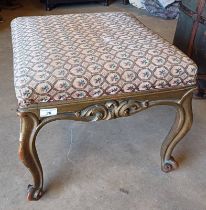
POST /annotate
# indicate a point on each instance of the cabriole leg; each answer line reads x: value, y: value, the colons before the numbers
x: 181, y: 126
x: 28, y: 154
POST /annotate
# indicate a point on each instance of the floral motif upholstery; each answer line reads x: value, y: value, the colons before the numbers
x: 65, y: 57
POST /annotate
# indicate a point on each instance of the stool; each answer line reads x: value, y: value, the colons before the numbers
x: 90, y: 67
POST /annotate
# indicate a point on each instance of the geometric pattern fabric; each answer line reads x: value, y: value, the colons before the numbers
x: 78, y: 56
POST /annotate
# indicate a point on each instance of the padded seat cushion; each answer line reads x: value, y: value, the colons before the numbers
x: 66, y: 57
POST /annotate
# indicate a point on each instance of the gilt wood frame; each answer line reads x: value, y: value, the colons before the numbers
x: 103, y: 108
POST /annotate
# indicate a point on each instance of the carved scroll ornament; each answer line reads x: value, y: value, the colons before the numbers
x: 112, y: 109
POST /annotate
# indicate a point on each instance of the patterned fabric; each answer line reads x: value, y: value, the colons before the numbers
x: 68, y: 57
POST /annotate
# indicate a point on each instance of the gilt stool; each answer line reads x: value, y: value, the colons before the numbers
x: 91, y: 67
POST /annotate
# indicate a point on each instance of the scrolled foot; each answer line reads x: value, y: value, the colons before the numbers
x: 169, y: 165
x: 34, y: 194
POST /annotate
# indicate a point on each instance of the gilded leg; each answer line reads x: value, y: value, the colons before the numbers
x: 181, y: 126
x: 28, y: 154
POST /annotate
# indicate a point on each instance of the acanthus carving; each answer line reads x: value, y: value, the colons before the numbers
x: 109, y: 110
x: 113, y: 109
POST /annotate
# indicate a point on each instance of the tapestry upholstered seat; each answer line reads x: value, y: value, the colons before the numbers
x: 77, y: 56
x: 93, y: 67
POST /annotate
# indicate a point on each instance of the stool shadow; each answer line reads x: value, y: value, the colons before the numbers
x: 56, y: 182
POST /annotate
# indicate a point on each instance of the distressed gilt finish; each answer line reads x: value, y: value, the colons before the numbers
x: 104, y: 108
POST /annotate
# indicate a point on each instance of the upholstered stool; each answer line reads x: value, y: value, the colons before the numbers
x: 91, y: 67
